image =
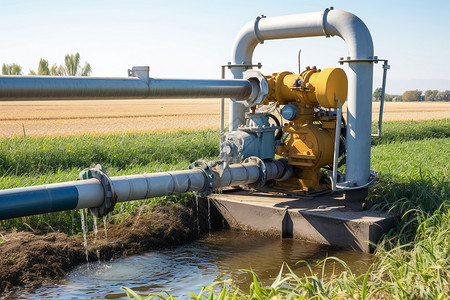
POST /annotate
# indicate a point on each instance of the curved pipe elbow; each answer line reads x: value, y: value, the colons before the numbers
x: 352, y: 30
x: 327, y: 23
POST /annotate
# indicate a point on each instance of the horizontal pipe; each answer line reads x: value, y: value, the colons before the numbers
x: 71, y: 88
x: 25, y: 201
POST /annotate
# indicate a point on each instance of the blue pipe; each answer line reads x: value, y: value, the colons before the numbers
x: 37, y: 201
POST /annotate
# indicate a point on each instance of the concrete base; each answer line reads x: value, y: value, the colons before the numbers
x: 324, y: 219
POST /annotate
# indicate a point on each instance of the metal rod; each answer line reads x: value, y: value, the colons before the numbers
x: 62, y: 88
x: 222, y: 110
x: 386, y: 67
x: 337, y: 138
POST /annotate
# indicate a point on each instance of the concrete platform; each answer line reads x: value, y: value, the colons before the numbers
x: 324, y: 219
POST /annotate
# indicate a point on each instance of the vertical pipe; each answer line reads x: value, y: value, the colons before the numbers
x: 359, y: 123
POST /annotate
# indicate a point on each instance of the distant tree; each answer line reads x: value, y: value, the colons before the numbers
x: 430, y: 95
x: 376, y: 95
x: 11, y: 69
x: 42, y: 68
x: 412, y: 95
x: 57, y: 70
x: 443, y: 96
x: 73, y: 66
x: 388, y: 97
x: 397, y: 98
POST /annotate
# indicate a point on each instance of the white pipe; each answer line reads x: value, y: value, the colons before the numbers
x: 360, y: 74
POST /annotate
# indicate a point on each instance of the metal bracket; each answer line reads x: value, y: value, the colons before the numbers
x: 209, y: 176
x: 262, y: 170
x: 385, y: 67
x: 247, y: 66
x: 110, y: 197
x: 141, y: 72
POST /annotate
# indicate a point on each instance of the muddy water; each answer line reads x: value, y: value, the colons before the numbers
x: 187, y: 268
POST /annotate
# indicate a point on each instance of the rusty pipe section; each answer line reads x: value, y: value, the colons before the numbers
x: 94, y: 192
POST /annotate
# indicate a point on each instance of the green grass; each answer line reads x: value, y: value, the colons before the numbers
x: 35, y: 161
x: 412, y: 159
x: 413, y: 260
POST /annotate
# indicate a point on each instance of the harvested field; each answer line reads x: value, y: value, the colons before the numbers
x: 60, y: 118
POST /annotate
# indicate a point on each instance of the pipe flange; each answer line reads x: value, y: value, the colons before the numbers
x: 209, y: 176
x: 324, y: 20
x: 260, y: 87
x: 262, y: 170
x: 110, y: 197
x: 255, y: 29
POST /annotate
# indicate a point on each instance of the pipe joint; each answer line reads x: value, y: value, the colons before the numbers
x: 260, y: 88
x: 209, y: 176
x: 262, y: 170
x: 110, y: 197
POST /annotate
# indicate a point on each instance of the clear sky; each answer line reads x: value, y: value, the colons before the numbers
x: 191, y: 39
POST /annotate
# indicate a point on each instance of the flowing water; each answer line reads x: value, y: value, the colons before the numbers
x: 83, y: 227
x: 185, y: 269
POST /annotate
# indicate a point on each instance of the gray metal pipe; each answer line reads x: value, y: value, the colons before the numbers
x: 90, y: 193
x: 65, y: 88
x: 360, y: 47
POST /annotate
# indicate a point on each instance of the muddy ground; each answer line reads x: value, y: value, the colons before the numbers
x: 30, y: 260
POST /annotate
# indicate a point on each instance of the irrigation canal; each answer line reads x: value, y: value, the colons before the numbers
x: 186, y: 269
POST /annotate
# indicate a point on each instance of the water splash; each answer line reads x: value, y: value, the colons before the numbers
x: 83, y: 227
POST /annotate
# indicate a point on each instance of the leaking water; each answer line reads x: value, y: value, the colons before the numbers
x: 83, y: 227
x: 104, y: 227
x: 187, y: 268
x: 94, y: 218
x: 198, y: 221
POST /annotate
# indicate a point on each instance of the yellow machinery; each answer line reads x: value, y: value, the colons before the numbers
x: 310, y: 132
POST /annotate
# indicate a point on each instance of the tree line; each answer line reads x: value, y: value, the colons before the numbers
x: 71, y: 67
x: 414, y: 95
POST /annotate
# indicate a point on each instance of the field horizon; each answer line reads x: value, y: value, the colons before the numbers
x: 78, y: 117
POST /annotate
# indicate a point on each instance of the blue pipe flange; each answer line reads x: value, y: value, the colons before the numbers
x: 209, y: 176
x: 262, y: 170
x: 110, y: 198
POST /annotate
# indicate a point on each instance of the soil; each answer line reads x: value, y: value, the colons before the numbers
x: 30, y: 260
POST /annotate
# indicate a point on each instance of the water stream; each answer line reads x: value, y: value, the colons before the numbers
x: 83, y: 227
x: 185, y: 269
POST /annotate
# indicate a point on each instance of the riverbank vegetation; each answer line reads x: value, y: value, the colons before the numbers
x: 412, y: 159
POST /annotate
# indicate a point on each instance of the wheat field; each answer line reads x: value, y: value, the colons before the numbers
x: 62, y: 118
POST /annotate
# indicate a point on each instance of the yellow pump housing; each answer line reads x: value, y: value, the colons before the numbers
x: 310, y: 145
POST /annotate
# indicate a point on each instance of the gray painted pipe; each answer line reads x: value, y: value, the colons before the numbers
x: 360, y: 46
x: 61, y: 88
x: 25, y: 201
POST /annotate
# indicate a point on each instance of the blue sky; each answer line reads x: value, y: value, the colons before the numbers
x: 191, y: 39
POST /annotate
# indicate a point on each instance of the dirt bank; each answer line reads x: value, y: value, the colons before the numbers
x: 30, y: 260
